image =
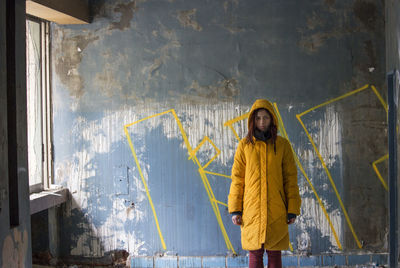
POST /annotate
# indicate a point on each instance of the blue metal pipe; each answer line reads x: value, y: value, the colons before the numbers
x: 393, y: 215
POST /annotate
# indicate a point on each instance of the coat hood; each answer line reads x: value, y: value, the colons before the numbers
x: 261, y: 103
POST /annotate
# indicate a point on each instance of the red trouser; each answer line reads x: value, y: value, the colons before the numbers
x: 256, y: 258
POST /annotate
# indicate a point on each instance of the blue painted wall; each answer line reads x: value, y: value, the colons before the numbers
x: 209, y: 61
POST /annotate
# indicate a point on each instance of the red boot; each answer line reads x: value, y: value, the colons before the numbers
x: 256, y: 258
x: 274, y: 259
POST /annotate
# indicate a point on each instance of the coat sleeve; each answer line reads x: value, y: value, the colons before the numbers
x: 291, y: 188
x: 235, y: 197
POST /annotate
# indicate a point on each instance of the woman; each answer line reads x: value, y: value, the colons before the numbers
x: 264, y: 195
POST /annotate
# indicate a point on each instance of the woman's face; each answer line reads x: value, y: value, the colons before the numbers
x: 263, y: 120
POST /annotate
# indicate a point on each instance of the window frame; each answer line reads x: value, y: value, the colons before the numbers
x: 46, y: 107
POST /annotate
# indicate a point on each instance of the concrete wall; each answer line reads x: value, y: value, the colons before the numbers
x: 15, y: 235
x: 203, y: 63
x: 392, y: 35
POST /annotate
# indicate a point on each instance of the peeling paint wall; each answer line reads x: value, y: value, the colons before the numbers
x: 15, y: 249
x: 208, y: 61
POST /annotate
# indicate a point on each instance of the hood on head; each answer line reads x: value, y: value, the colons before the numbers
x: 261, y: 103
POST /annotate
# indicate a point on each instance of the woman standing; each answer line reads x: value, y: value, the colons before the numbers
x: 264, y: 195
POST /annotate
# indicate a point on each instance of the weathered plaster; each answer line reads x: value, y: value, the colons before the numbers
x: 15, y: 249
x: 209, y: 62
x: 187, y: 19
x: 70, y: 55
x: 126, y: 14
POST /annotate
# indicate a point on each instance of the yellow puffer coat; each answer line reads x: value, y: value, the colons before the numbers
x: 264, y: 188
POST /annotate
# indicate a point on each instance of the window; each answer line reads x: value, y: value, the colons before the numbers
x: 38, y: 104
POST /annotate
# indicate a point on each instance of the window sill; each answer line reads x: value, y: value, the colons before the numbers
x: 47, y: 199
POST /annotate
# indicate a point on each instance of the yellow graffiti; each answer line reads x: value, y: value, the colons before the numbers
x: 192, y: 153
x: 333, y: 100
x: 234, y: 120
x: 202, y: 172
x: 283, y: 131
x: 319, y: 155
x: 290, y: 246
x: 383, y: 158
x: 142, y: 177
x: 207, y: 186
x: 219, y: 202
x: 332, y: 183
x: 217, y: 174
x: 385, y: 106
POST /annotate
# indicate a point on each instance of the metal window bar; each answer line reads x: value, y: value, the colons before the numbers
x: 45, y: 109
x: 47, y: 130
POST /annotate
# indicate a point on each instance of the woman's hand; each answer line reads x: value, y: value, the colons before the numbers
x: 291, y: 218
x: 237, y: 219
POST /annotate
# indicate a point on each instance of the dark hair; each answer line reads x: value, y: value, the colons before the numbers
x: 273, y: 130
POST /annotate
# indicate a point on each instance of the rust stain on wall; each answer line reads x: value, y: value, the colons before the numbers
x: 186, y: 18
x: 127, y: 11
x: 314, y: 35
x: 312, y: 43
x: 225, y: 89
x: 70, y: 56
